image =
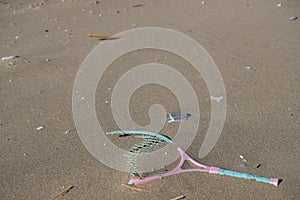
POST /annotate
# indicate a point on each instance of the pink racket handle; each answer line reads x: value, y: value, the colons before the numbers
x: 140, y: 181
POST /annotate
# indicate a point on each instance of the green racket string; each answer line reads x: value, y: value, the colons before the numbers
x: 149, y: 142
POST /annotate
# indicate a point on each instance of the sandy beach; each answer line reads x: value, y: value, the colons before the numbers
x: 254, y: 44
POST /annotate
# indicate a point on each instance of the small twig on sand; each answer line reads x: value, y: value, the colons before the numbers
x: 101, y: 36
x: 179, y: 197
x: 135, y: 188
x: 62, y: 192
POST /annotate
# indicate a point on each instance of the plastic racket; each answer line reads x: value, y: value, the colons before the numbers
x: 152, y: 141
x: 203, y: 168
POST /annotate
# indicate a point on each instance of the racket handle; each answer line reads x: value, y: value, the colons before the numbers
x: 140, y: 181
x: 273, y: 181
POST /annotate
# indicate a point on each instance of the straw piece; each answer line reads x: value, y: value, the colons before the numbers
x: 62, y: 192
x: 102, y: 36
x: 179, y: 197
x: 133, y: 187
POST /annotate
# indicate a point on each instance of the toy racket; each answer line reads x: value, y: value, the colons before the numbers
x: 151, y: 141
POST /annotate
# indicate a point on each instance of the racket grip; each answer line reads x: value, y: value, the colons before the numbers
x: 141, y: 181
x: 273, y: 181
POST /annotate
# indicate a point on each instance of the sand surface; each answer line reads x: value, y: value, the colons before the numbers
x: 254, y: 44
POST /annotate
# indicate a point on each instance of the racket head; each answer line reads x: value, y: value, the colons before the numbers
x: 124, y: 133
x: 148, y: 143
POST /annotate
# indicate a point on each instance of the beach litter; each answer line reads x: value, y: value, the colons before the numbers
x: 179, y: 197
x: 67, y: 189
x: 10, y: 57
x: 217, y: 99
x: 243, y: 158
x: 137, y: 5
x: 133, y: 187
x: 152, y: 141
x: 177, y: 117
x: 39, y: 128
x: 104, y: 37
x: 292, y: 18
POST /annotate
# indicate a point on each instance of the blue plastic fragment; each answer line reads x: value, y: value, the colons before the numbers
x: 177, y: 117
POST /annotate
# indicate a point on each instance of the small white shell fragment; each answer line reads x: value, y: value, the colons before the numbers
x: 9, y: 57
x: 218, y: 99
x: 279, y: 5
x: 248, y: 67
x: 39, y: 128
x: 292, y: 18
x: 241, y: 156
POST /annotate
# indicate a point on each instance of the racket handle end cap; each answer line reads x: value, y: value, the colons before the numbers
x: 274, y: 181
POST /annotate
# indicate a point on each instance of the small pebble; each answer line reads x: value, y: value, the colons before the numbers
x: 39, y: 128
x: 11, y: 64
x: 26, y: 61
x: 279, y: 5
x: 47, y: 60
x: 257, y: 165
x: 248, y: 67
x: 292, y: 18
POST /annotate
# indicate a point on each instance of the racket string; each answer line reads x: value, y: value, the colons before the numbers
x: 147, y: 145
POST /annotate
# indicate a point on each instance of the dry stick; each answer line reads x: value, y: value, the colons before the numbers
x: 135, y: 188
x: 62, y: 192
x: 101, y: 36
x: 179, y: 197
